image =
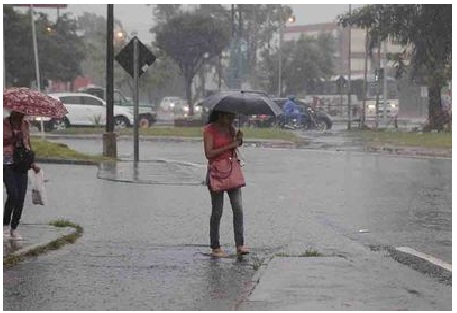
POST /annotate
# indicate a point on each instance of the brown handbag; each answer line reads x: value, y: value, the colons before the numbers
x: 226, y: 174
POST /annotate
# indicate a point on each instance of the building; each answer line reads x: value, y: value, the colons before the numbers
x: 412, y: 98
x: 341, y: 36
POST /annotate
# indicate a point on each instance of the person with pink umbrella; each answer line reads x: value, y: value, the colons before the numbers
x: 18, y: 157
x: 16, y: 134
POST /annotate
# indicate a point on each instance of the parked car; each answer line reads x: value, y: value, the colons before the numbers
x: 172, y: 104
x: 147, y: 114
x: 86, y: 110
x: 391, y: 112
x: 321, y: 119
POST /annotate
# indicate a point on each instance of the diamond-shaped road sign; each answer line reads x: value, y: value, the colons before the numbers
x: 125, y: 57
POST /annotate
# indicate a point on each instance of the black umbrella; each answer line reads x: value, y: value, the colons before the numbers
x: 242, y: 102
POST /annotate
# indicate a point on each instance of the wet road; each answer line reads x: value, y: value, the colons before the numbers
x: 144, y: 244
x: 401, y: 201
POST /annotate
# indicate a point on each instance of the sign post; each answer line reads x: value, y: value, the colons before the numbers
x: 135, y: 58
x: 136, y: 150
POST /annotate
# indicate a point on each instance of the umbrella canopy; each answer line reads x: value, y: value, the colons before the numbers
x: 242, y: 102
x: 32, y: 102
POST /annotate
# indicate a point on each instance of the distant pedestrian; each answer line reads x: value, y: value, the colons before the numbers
x: 16, y: 133
x: 220, y: 141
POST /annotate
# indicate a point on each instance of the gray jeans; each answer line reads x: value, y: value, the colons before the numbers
x: 217, y: 201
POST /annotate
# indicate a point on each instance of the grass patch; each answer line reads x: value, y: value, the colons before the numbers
x: 12, y: 260
x: 307, y: 254
x: 271, y: 133
x: 46, y: 149
x: 420, y: 140
x: 310, y: 253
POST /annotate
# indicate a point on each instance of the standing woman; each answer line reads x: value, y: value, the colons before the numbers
x: 16, y: 132
x: 219, y: 142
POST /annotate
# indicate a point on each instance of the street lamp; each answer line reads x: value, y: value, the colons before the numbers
x: 290, y: 19
x: 37, y: 64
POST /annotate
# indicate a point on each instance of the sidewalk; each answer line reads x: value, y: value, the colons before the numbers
x: 35, y: 236
x: 336, y: 284
x: 308, y: 283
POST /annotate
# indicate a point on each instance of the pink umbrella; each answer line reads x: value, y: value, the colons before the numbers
x: 33, y: 103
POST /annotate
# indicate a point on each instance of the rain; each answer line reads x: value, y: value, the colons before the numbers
x: 338, y: 115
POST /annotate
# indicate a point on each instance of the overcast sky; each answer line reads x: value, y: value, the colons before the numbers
x: 138, y: 17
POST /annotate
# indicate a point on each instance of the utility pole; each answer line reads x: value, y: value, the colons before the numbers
x: 385, y: 82
x: 109, y: 137
x: 136, y: 145
x: 378, y: 84
x: 240, y: 58
x: 37, y: 65
x: 280, y: 50
x: 349, y: 75
x: 364, y: 97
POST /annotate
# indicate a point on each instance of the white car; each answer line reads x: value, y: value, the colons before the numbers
x: 88, y: 110
x: 172, y: 104
x: 391, y: 112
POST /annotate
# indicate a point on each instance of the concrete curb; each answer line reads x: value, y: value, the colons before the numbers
x: 411, y: 152
x: 38, y: 246
x: 151, y: 138
x: 39, y: 239
x: 65, y: 161
x: 255, y: 143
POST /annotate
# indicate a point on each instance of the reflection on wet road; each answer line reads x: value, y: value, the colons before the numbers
x: 144, y: 244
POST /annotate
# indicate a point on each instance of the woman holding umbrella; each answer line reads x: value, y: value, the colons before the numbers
x: 220, y: 141
x: 16, y: 132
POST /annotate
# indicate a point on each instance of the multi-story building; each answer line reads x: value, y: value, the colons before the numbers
x: 341, y: 37
x: 411, y: 101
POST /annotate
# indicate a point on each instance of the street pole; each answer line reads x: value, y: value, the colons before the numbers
x: 364, y: 97
x: 280, y: 56
x: 385, y: 82
x: 135, y: 101
x: 220, y: 71
x: 349, y: 76
x: 37, y: 65
x: 109, y: 137
x: 378, y: 84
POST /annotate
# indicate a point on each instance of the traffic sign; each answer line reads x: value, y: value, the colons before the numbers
x: 125, y: 57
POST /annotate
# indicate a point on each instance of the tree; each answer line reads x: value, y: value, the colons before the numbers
x: 60, y: 50
x: 190, y: 39
x: 305, y: 62
x: 94, y: 28
x: 428, y: 28
x: 165, y: 12
x: 256, y: 25
x: 18, y: 48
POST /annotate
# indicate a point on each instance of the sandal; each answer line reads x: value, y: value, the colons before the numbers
x: 218, y: 253
x: 242, y: 250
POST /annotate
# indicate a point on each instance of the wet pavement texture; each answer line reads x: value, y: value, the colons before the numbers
x: 339, y: 284
x: 145, y: 245
x: 167, y: 172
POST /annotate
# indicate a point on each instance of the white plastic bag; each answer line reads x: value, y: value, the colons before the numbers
x: 38, y: 190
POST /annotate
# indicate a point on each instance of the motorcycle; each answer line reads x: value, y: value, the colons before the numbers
x: 309, y: 121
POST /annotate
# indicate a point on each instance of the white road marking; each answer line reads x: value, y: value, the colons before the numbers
x: 426, y: 257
